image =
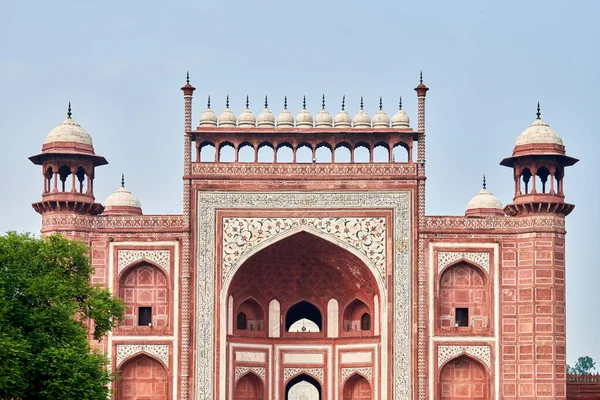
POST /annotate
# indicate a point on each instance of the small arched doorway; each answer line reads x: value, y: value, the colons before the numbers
x: 464, y: 378
x: 142, y: 378
x: 357, y: 388
x: 303, y: 387
x: 249, y: 387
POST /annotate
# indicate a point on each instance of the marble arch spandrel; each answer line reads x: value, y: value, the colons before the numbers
x: 207, y: 203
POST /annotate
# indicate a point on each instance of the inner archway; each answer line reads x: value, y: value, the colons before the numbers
x: 357, y: 388
x: 464, y: 378
x: 142, y: 378
x: 303, y: 317
x: 303, y: 387
x: 249, y: 387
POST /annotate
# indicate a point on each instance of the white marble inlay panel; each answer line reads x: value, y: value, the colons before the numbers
x: 358, y: 357
x: 303, y: 358
x: 248, y: 356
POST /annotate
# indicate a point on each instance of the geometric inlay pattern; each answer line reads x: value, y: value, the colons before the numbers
x: 448, y: 257
x: 291, y: 372
x: 160, y: 257
x: 206, y: 282
x: 160, y: 351
x: 482, y: 353
x: 364, y: 371
x: 367, y: 235
x: 241, y: 371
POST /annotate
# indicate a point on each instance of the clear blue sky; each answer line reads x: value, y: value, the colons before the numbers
x: 487, y: 63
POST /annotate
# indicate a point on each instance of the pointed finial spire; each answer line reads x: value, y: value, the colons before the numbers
x: 380, y: 104
x: 421, y: 77
x: 361, y: 102
x: 323, y: 101
x: 247, y: 102
x: 187, y: 77
x: 122, y: 180
x: 539, y: 113
x: 69, y: 111
x: 400, y: 104
x: 484, y: 184
x: 208, y: 102
x: 304, y: 103
x: 266, y: 102
x: 285, y: 103
x: 343, y: 102
x: 227, y: 102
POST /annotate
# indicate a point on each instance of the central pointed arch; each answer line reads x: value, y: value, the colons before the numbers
x: 303, y: 387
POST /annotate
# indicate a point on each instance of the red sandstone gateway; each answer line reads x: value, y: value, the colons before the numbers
x: 304, y: 266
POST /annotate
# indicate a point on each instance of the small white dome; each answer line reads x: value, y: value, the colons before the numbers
x: 538, y: 132
x: 304, y: 119
x: 285, y: 119
x: 116, y: 202
x: 362, y: 119
x: 266, y: 118
x: 246, y: 118
x: 342, y: 118
x: 208, y: 117
x: 484, y: 199
x: 323, y: 119
x: 69, y: 131
x: 400, y: 119
x: 227, y: 117
x: 381, y: 119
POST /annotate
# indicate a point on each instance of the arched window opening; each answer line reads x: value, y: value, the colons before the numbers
x: 304, y: 153
x: 303, y: 317
x: 81, y: 179
x: 249, y: 387
x: 357, y: 317
x: 63, y: 173
x: 49, y: 175
x: 464, y: 377
x: 285, y: 153
x: 525, y: 177
x: 145, y: 291
x: 365, y: 322
x: 381, y: 153
x: 323, y: 153
x: 241, y: 321
x: 266, y: 153
x: 559, y: 180
x: 400, y: 153
x: 246, y: 153
x: 250, y: 316
x: 207, y: 152
x: 362, y: 153
x: 143, y: 378
x: 342, y: 153
x: 357, y: 388
x: 464, y: 298
x: 303, y: 387
x: 542, y: 180
x: 226, y: 152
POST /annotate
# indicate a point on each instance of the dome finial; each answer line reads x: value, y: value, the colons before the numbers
x: 247, y: 102
x: 69, y: 111
x: 266, y: 102
x: 208, y: 102
x: 400, y: 104
x: 323, y: 101
x: 304, y: 102
x: 380, y: 103
x: 421, y: 77
x: 539, y: 114
x: 361, y: 102
x: 227, y: 102
x: 122, y: 180
x: 285, y: 103
x: 187, y: 77
x: 484, y: 185
x: 343, y: 102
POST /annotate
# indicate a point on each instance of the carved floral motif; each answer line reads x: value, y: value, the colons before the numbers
x: 289, y: 373
x: 446, y: 258
x: 367, y: 372
x: 241, y: 371
x: 160, y: 257
x: 482, y: 353
x: 160, y: 351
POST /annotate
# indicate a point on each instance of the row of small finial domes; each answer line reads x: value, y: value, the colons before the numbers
x: 323, y: 119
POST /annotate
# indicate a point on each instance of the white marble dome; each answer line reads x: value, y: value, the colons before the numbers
x: 304, y: 119
x: 400, y: 119
x: 323, y: 119
x: 342, y: 118
x: 381, y: 119
x: 69, y: 131
x: 208, y: 117
x: 484, y: 199
x: 362, y: 119
x: 227, y: 117
x: 285, y: 119
x: 266, y: 119
x: 122, y: 202
x: 246, y: 119
x: 538, y: 132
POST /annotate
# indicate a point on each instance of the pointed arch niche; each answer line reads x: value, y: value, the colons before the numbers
x: 143, y: 377
x: 357, y: 387
x: 463, y: 377
x: 303, y: 387
x: 249, y: 387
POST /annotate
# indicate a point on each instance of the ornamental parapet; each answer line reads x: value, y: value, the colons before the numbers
x: 126, y: 222
x: 431, y: 224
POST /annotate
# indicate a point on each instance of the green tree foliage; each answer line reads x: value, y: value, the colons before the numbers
x: 46, y: 306
x: 584, y: 366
